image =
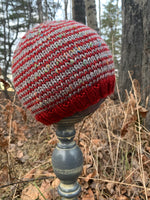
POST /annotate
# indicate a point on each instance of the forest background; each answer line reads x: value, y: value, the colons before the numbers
x: 115, y: 140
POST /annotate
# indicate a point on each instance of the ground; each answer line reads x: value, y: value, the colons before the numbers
x: 114, y: 142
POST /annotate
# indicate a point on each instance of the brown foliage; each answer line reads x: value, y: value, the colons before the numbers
x: 111, y: 141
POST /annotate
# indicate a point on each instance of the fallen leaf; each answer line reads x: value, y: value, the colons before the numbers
x: 148, y: 149
x: 38, y: 173
x: 82, y: 143
x: 145, y: 178
x: 12, y: 148
x: 19, y: 154
x: 101, y: 198
x: 132, y: 100
x: 4, y: 175
x: 143, y: 111
x: 20, y: 143
x: 89, y: 196
x: 122, y: 197
x: 110, y: 187
x: 85, y: 167
x: 4, y: 142
x: 84, y: 170
x: 128, y: 176
x: 9, y: 106
x: 21, y: 136
x: 45, y: 190
x: 3, y: 107
x: 48, y: 174
x: 127, y: 124
x: 23, y: 113
x: 30, y: 193
x: 137, y: 198
x: 15, y: 127
x: 55, y: 183
x: 96, y: 141
x: 91, y: 175
x: 30, y: 174
x: 124, y: 130
x: 53, y: 141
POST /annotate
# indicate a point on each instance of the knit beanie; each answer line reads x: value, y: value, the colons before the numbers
x: 60, y: 68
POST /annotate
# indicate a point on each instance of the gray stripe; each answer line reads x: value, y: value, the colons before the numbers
x: 48, y: 49
x: 65, y: 97
x: 42, y: 41
x: 54, y: 62
x: 78, y: 68
x: 64, y: 93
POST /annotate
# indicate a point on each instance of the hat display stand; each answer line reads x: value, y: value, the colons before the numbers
x: 62, y: 72
x: 67, y: 158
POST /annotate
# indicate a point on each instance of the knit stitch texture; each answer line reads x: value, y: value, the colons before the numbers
x: 60, y: 68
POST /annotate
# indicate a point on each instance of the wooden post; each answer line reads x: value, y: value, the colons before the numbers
x: 67, y: 159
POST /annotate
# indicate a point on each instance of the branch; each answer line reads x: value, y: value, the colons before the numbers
x: 27, y: 181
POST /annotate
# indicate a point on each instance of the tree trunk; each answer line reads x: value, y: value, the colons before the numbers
x: 91, y: 14
x: 146, y: 58
x: 40, y: 10
x: 78, y: 10
x: 136, y: 46
x: 99, y: 15
x: 132, y: 43
x: 66, y: 6
x: 46, y: 10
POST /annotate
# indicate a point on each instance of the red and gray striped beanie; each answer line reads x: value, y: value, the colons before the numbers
x: 60, y: 68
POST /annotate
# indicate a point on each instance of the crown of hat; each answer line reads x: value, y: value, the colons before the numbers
x: 60, y: 68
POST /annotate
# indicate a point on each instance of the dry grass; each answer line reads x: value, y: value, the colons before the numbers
x: 114, y: 142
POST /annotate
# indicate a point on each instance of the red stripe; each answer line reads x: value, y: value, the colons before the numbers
x: 36, y: 38
x: 48, y: 62
x: 65, y: 68
x: 51, y: 77
x: 44, y: 31
x: 58, y: 84
x: 14, y: 68
x: 76, y: 104
x: 104, y: 92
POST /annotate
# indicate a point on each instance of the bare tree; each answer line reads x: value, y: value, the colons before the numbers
x: 40, y: 10
x: 99, y: 14
x: 78, y: 10
x: 11, y: 22
x: 91, y: 14
x: 66, y: 6
x: 46, y: 10
x: 136, y: 47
